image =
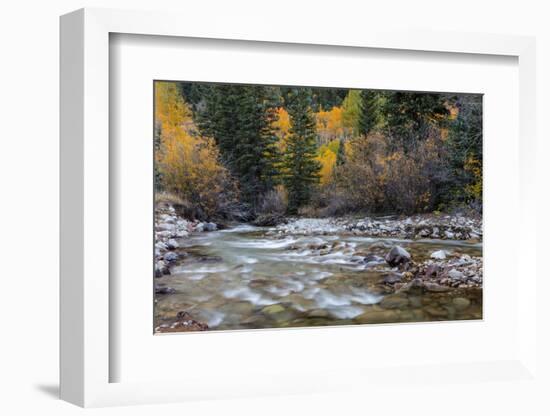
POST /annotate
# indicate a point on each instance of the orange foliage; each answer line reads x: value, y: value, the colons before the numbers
x: 187, y: 162
x: 329, y: 124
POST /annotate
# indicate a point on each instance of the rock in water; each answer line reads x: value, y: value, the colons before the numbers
x: 210, y: 226
x: 172, y: 244
x: 171, y: 256
x: 439, y: 255
x: 397, y: 255
x: 461, y: 303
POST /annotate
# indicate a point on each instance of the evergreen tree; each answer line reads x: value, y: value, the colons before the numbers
x: 240, y: 119
x: 341, y: 155
x: 370, y: 111
x: 410, y: 117
x: 301, y: 167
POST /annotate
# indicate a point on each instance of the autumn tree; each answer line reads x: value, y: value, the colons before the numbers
x: 301, y: 167
x: 187, y: 163
x: 351, y: 112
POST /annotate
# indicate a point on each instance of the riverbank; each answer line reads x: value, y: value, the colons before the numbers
x: 315, y: 272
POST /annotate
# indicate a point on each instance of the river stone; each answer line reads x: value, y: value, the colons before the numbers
x: 318, y: 313
x: 394, y: 302
x: 455, y: 274
x: 199, y: 227
x: 273, y: 309
x: 434, y: 287
x: 461, y: 303
x: 172, y: 244
x: 439, y: 255
x: 171, y: 256
x: 437, y: 312
x: 378, y: 317
x: 397, y: 255
x: 414, y: 287
x: 210, y: 226
x: 432, y: 270
x: 392, y: 278
x: 166, y: 227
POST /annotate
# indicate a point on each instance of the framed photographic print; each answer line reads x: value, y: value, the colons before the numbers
x: 281, y: 213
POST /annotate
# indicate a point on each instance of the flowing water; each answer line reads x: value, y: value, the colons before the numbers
x: 245, y: 277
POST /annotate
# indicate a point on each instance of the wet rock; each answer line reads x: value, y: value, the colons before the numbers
x: 397, y: 256
x: 210, y: 226
x: 273, y: 309
x: 199, y: 227
x: 161, y: 269
x: 171, y: 256
x: 166, y: 227
x: 461, y: 303
x: 164, y: 290
x: 394, y: 302
x: 392, y: 278
x: 172, y: 244
x: 439, y: 255
x: 455, y: 274
x: 432, y: 270
x: 414, y: 287
x: 318, y: 313
x: 434, y: 287
x: 269, y: 220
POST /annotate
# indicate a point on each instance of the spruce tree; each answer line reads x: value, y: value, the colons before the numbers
x: 341, y: 155
x: 301, y: 168
x: 370, y: 113
x: 240, y: 119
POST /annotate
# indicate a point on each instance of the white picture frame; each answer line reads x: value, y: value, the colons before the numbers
x: 86, y: 355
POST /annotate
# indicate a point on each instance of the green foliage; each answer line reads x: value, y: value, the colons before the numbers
x: 301, y: 170
x: 410, y: 117
x: 370, y: 104
x: 464, y: 152
x: 318, y: 150
x: 240, y: 119
x: 351, y: 111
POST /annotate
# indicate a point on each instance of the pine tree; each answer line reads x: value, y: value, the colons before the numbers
x: 240, y: 119
x: 370, y: 111
x: 301, y: 167
x: 410, y: 116
x: 341, y: 155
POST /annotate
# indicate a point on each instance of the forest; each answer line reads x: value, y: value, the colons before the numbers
x: 230, y: 152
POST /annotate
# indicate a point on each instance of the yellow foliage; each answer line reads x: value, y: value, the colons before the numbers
x: 329, y: 124
x: 282, y: 127
x: 188, y: 163
x: 473, y: 166
x: 327, y: 159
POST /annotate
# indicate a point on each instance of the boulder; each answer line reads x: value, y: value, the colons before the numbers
x: 397, y: 256
x: 199, y: 227
x: 439, y: 255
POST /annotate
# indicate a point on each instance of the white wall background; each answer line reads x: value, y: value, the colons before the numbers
x: 29, y: 209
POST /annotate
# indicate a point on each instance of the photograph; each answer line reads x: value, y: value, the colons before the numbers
x: 304, y: 206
